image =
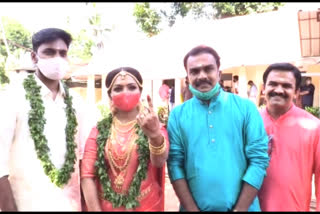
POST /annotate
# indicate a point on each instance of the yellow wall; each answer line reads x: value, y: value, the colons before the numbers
x: 83, y: 93
x: 246, y: 73
x: 98, y: 93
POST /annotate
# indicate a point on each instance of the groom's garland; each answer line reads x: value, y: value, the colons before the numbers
x: 36, y: 123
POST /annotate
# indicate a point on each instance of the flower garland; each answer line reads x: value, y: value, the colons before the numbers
x: 36, y: 123
x: 128, y: 201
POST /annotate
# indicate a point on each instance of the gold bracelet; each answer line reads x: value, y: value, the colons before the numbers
x: 158, y: 150
x: 158, y: 147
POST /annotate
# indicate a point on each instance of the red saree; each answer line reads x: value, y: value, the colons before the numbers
x: 151, y: 196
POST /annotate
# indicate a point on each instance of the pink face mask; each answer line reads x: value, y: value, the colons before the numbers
x: 126, y: 101
x: 53, y: 68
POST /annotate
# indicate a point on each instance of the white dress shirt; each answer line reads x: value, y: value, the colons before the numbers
x: 32, y: 188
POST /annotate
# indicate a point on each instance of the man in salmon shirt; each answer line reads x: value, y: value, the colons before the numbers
x: 294, y: 146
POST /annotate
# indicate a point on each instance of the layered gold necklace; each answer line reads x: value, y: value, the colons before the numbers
x: 130, y: 199
x: 122, y: 138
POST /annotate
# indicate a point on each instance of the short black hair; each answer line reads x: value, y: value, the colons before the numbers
x: 111, y: 75
x: 49, y: 35
x: 199, y: 50
x: 308, y: 78
x: 236, y: 77
x: 285, y: 67
x: 250, y: 82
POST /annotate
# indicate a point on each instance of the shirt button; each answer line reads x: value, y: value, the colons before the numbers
x: 212, y: 140
x: 209, y: 112
x: 210, y: 126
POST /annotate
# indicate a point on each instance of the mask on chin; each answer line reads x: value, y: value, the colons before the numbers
x: 126, y: 101
x: 53, y: 68
x: 205, y: 95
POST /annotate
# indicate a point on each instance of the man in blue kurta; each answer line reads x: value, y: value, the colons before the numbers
x: 218, y: 145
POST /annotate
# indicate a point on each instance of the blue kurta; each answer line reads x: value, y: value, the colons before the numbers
x: 216, y: 147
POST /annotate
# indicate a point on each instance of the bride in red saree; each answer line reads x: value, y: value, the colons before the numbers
x: 123, y: 164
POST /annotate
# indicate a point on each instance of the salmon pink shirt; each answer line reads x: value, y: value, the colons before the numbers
x: 295, y: 157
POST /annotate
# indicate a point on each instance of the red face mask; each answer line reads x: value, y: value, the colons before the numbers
x: 126, y: 101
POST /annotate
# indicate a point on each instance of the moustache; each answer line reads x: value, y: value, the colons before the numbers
x: 273, y: 94
x: 197, y: 83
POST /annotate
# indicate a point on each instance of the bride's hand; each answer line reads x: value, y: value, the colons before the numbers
x: 149, y: 122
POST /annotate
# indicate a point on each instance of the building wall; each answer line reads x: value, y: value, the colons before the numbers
x: 255, y: 73
x: 316, y: 82
x: 83, y: 93
x: 245, y: 73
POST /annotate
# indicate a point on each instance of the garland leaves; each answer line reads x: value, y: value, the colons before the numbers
x: 129, y: 201
x: 36, y: 123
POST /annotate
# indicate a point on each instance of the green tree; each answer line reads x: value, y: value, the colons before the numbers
x: 81, y: 46
x: 18, y: 40
x: 3, y: 77
x: 198, y: 10
x: 88, y: 40
x: 229, y: 9
x: 148, y: 19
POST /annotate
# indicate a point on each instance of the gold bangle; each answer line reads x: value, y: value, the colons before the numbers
x: 158, y: 147
x: 159, y: 150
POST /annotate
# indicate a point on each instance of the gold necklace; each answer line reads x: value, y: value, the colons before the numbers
x: 114, y: 139
x: 126, y: 161
x: 123, y: 131
x: 119, y: 177
x: 119, y: 123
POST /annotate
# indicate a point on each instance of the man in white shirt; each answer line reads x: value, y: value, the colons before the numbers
x: 252, y: 92
x: 42, y: 133
x: 235, y: 84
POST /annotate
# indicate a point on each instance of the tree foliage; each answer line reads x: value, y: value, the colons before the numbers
x: 182, y: 9
x: 18, y: 40
x: 229, y: 9
x: 81, y: 46
x: 148, y: 19
x: 17, y: 37
x: 90, y: 39
x: 3, y: 77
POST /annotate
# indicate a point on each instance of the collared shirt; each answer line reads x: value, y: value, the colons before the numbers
x: 217, y: 147
x: 295, y: 156
x: 32, y: 188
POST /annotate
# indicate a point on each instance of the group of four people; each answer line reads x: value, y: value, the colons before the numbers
x: 221, y: 153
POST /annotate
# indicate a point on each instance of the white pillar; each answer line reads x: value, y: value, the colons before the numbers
x: 242, y: 87
x: 91, y: 90
x: 104, y: 92
x: 177, y: 91
x: 147, y: 90
x: 156, y: 97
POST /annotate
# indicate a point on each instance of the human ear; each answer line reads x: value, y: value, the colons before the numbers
x: 34, y: 57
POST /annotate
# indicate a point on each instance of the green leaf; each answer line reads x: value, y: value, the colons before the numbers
x: 36, y: 126
x: 109, y: 194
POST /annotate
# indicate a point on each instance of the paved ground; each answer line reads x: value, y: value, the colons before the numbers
x: 171, y: 200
